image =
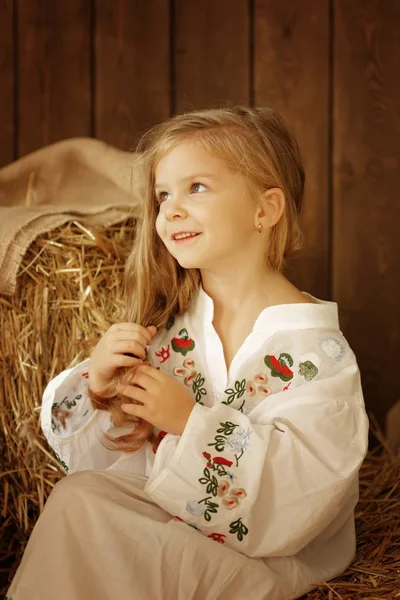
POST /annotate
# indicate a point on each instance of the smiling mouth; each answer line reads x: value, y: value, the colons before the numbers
x: 186, y: 239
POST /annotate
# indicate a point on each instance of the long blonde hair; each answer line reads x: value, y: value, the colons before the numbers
x: 254, y: 142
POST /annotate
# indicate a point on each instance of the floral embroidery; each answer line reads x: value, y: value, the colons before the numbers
x: 332, y: 347
x: 70, y: 403
x: 287, y: 387
x: 59, y: 417
x: 86, y: 375
x: 240, y: 389
x: 259, y: 384
x: 62, y: 463
x: 183, y: 343
x: 308, y: 370
x: 218, y: 463
x: 230, y: 496
x: 159, y: 437
x: 238, y: 443
x: 60, y: 412
x: 164, y: 354
x: 237, y: 440
x: 192, y: 378
x: 239, y: 528
x: 210, y: 507
x: 280, y: 367
x: 247, y: 389
x: 187, y: 371
x: 218, y: 537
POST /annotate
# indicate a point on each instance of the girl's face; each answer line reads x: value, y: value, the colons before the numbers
x: 197, y: 193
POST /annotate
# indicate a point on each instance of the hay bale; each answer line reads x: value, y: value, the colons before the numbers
x: 69, y: 292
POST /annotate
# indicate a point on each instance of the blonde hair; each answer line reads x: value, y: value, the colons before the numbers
x: 254, y: 142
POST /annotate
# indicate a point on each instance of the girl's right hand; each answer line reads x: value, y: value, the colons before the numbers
x: 112, y: 349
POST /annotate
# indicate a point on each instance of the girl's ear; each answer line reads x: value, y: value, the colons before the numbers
x: 274, y: 202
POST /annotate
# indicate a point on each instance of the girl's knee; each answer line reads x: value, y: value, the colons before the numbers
x: 72, y: 488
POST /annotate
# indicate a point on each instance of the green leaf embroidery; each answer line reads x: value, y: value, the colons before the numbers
x: 62, y: 463
x: 197, y: 389
x: 209, y: 480
x: 239, y: 528
x: 308, y: 370
x: 212, y: 507
x: 240, y: 388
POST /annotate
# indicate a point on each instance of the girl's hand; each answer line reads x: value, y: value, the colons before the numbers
x: 166, y: 403
x: 123, y: 345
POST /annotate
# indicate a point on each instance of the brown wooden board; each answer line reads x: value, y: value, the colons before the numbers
x: 132, y: 57
x: 211, y: 45
x: 366, y: 273
x: 7, y: 82
x: 291, y: 75
x: 54, y: 99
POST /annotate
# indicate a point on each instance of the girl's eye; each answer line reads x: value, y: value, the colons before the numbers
x: 196, y: 184
x: 160, y: 196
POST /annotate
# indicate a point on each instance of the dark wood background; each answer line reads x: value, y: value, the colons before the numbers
x: 111, y: 68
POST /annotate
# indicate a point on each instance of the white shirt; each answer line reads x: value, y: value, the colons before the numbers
x: 268, y: 461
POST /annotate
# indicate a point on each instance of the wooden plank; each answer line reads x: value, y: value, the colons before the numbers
x: 291, y: 74
x: 366, y: 197
x: 211, y: 54
x: 54, y: 71
x: 7, y: 82
x: 132, y: 68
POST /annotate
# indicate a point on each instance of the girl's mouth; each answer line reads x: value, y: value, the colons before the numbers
x: 187, y: 239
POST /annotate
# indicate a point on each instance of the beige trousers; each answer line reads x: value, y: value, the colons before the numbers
x: 100, y: 537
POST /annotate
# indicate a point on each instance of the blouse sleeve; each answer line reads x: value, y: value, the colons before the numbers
x: 72, y: 427
x: 268, y: 482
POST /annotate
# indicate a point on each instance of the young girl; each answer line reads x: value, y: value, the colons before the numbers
x: 213, y: 439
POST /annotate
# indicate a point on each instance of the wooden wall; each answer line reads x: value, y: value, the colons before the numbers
x: 112, y: 68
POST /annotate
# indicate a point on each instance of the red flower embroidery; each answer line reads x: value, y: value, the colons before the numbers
x: 183, y: 343
x: 164, y: 354
x: 220, y: 460
x: 160, y: 436
x: 217, y: 537
x: 85, y: 375
x: 279, y: 367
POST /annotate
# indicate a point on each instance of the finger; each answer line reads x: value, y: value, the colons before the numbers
x: 134, y: 409
x: 131, y: 328
x: 150, y: 371
x: 145, y: 380
x: 129, y: 347
x: 133, y: 392
x: 126, y: 360
x: 121, y: 338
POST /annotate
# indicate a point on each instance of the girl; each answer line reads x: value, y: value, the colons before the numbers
x: 212, y: 440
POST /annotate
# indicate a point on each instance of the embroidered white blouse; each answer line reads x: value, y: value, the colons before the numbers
x: 268, y: 461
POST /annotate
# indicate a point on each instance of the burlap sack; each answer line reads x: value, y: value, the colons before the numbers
x: 77, y: 179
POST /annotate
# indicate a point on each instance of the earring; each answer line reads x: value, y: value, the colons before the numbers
x: 259, y: 227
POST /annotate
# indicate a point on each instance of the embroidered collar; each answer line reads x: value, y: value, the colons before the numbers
x: 280, y: 317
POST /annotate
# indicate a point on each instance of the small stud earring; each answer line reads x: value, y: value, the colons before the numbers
x: 259, y: 226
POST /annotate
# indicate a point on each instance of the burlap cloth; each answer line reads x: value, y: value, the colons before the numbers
x: 77, y: 179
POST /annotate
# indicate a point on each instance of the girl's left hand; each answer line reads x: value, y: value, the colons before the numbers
x: 166, y: 403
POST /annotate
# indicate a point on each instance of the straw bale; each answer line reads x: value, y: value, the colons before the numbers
x: 69, y: 291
